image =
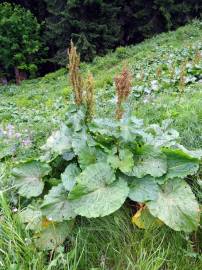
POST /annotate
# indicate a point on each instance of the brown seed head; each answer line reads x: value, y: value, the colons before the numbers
x: 74, y: 74
x: 123, y: 84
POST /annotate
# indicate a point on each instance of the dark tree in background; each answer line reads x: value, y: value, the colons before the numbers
x: 20, y: 41
x: 37, y: 7
x: 92, y: 25
x: 97, y: 26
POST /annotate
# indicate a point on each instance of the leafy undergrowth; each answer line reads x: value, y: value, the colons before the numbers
x: 167, y: 84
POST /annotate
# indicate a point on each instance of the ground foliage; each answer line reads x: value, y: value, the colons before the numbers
x: 91, y: 168
x: 25, y: 124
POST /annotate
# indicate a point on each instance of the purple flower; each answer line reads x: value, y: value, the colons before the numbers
x: 10, y: 131
x: 26, y: 142
x: 17, y: 135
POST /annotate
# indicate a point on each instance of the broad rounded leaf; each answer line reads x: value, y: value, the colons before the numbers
x: 95, y: 176
x: 76, y: 118
x: 162, y: 135
x: 124, y: 161
x: 150, y: 161
x: 176, y: 206
x: 60, y: 141
x: 28, y: 177
x: 144, y: 189
x: 180, y: 164
x: 56, y: 206
x: 90, y: 155
x: 102, y: 201
x: 131, y: 128
x: 105, y: 127
x: 81, y: 139
x: 69, y: 176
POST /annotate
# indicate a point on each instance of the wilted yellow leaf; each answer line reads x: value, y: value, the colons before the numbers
x: 143, y: 219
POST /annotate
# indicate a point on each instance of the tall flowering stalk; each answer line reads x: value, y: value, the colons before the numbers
x: 123, y: 84
x: 74, y: 74
x: 158, y: 72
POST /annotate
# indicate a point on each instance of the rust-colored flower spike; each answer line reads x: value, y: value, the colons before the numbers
x: 89, y: 97
x: 158, y: 72
x: 123, y: 84
x: 74, y: 74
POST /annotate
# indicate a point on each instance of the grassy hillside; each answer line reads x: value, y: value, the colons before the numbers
x: 29, y: 112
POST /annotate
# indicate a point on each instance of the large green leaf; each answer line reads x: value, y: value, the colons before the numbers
x: 104, y: 200
x: 162, y: 135
x: 149, y: 160
x: 69, y: 176
x: 193, y: 153
x: 28, y: 177
x: 180, y: 164
x: 76, y: 118
x: 60, y: 141
x: 93, y: 177
x: 81, y: 140
x: 105, y: 127
x: 32, y: 217
x: 124, y: 161
x: 145, y: 189
x: 90, y: 155
x: 56, y: 206
x: 176, y: 206
x: 131, y: 129
x: 53, y: 235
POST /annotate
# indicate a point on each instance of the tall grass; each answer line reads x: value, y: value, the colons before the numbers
x: 110, y: 243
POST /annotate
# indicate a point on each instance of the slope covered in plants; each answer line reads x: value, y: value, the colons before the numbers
x: 89, y: 167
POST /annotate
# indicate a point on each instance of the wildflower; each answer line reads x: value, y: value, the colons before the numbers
x: 26, y: 142
x: 17, y: 135
x: 123, y: 84
x: 74, y: 74
x: 10, y: 131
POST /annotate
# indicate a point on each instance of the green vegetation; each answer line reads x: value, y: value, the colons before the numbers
x: 19, y: 41
x: 167, y: 85
x: 95, y: 26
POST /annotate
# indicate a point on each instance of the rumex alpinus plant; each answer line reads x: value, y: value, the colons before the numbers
x: 123, y: 83
x: 74, y: 74
x: 158, y: 72
x: 90, y: 168
x: 83, y: 90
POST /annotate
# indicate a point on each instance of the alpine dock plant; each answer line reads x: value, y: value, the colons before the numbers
x: 91, y: 168
x: 123, y: 84
x: 74, y: 74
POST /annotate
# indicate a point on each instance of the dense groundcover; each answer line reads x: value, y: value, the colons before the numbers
x: 91, y: 166
x: 96, y: 164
